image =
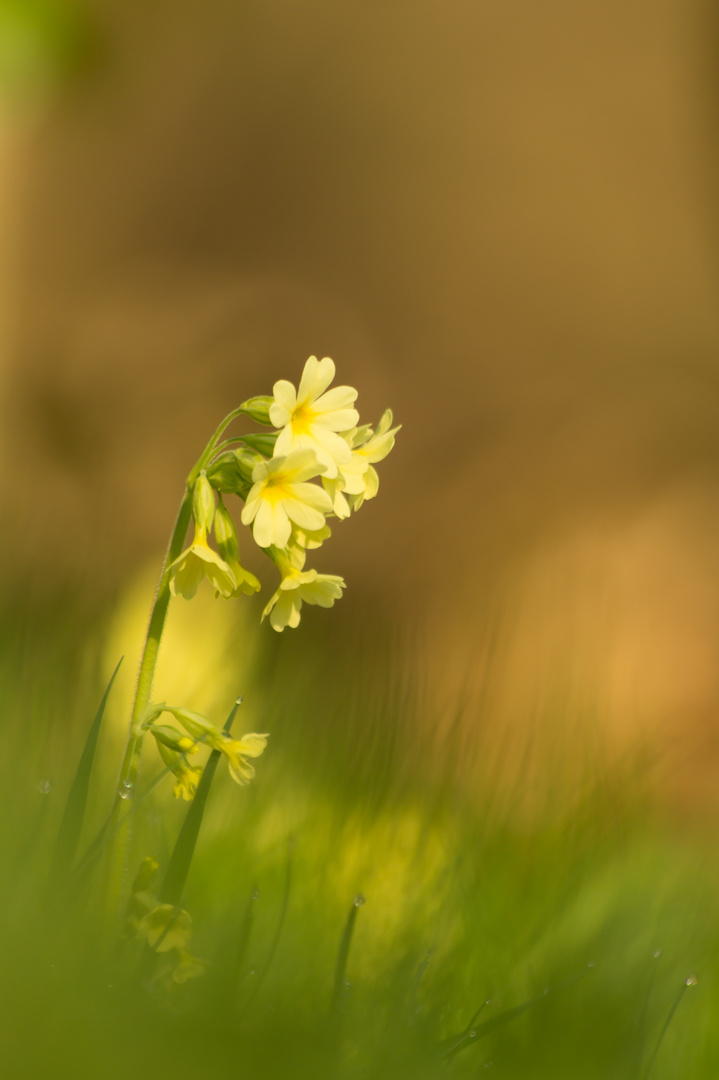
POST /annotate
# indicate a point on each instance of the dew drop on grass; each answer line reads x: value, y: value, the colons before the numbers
x: 125, y: 791
x: 657, y: 953
x: 472, y: 1034
x: 691, y: 980
x: 239, y: 700
x: 44, y: 787
x: 255, y: 894
x: 359, y: 900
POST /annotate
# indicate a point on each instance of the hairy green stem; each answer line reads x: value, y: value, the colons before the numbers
x: 117, y: 864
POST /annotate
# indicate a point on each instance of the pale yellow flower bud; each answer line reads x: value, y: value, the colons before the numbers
x: 258, y: 408
x: 203, y: 504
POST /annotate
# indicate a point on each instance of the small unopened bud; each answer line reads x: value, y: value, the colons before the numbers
x: 247, y: 460
x: 264, y: 442
x: 203, y: 503
x: 226, y: 533
x: 146, y: 874
x: 173, y: 738
x: 227, y: 477
x: 194, y: 723
x: 258, y: 408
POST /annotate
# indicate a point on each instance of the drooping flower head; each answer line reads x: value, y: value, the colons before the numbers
x: 199, y: 560
x: 369, y: 447
x: 280, y: 497
x: 312, y: 416
x: 298, y: 587
x: 236, y: 751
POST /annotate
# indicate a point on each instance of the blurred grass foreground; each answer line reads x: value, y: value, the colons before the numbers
x: 358, y: 909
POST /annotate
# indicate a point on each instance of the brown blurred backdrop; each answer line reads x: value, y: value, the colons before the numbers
x: 498, y: 217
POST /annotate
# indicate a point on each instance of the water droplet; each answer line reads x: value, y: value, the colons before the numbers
x: 488, y: 1001
x: 255, y: 894
x: 346, y: 983
x: 472, y: 1034
x: 545, y: 991
x: 358, y: 900
x: 657, y: 953
x: 239, y: 700
x: 125, y: 790
x: 691, y: 980
x: 44, y: 787
x: 251, y: 972
x: 590, y: 964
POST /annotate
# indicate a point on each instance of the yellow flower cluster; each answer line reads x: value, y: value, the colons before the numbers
x: 316, y: 438
x: 165, y: 927
x: 175, y: 747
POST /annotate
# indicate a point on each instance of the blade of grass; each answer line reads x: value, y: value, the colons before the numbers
x: 74, y: 813
x: 229, y: 973
x: 343, y: 954
x: 178, y: 867
x: 184, y: 849
x: 278, y: 931
x: 690, y: 981
x: 449, y: 1047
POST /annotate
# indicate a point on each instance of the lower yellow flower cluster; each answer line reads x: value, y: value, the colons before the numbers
x: 175, y: 748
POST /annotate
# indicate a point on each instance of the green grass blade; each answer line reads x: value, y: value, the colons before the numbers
x: 278, y: 931
x: 229, y: 972
x: 343, y: 954
x: 690, y: 981
x: 74, y: 813
x: 184, y: 849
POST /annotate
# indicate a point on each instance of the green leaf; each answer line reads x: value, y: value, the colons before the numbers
x: 181, y: 858
x: 74, y: 813
x: 343, y: 954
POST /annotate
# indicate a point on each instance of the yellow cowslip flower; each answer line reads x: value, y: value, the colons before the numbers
x: 309, y: 539
x: 312, y: 416
x: 187, y: 777
x: 165, y: 927
x: 298, y: 587
x: 374, y: 449
x: 199, y: 560
x: 280, y: 498
x: 237, y: 750
x: 195, y: 563
x: 358, y: 478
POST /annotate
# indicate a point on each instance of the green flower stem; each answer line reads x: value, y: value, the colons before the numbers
x: 143, y: 695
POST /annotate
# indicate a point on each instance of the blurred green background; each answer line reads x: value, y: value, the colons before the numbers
x: 501, y: 220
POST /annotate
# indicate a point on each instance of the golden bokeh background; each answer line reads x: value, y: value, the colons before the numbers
x: 499, y: 218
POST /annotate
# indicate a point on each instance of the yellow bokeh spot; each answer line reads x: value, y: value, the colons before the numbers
x: 206, y: 655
